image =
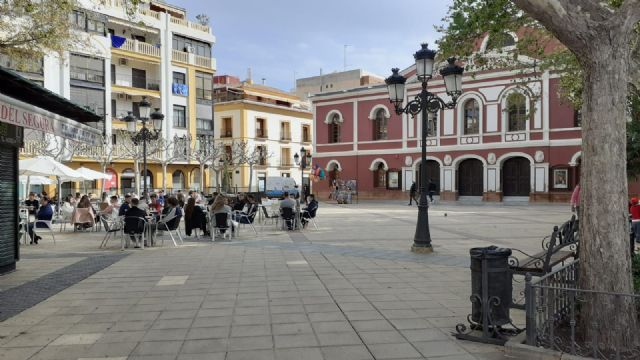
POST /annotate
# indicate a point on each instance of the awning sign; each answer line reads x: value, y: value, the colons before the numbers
x: 21, y: 114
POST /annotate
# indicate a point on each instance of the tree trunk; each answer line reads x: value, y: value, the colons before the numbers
x: 201, y: 176
x: 104, y: 171
x: 250, y: 176
x: 164, y: 177
x: 604, y: 238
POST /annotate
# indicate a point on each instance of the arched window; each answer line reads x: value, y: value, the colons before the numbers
x: 499, y: 41
x: 334, y: 129
x: 432, y: 129
x: 471, y: 119
x: 517, y: 108
x: 380, y: 177
x: 195, y: 179
x: 178, y: 180
x: 380, y: 123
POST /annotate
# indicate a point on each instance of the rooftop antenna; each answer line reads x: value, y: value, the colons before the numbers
x: 345, y: 56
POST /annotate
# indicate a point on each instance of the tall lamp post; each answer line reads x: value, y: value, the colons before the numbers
x: 303, y: 160
x: 145, y: 134
x: 422, y: 104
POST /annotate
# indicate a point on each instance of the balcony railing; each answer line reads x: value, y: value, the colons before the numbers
x: 285, y: 137
x: 193, y: 59
x: 84, y: 74
x: 180, y: 56
x: 189, y: 24
x: 137, y: 82
x: 261, y: 133
x: 140, y: 48
x: 226, y: 133
x: 285, y: 163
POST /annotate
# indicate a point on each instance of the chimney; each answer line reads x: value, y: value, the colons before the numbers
x: 249, y: 77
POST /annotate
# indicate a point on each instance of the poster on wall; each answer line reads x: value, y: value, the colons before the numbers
x: 560, y: 178
x: 394, y: 179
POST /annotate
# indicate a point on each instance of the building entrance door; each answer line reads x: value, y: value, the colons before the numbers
x: 516, y: 177
x: 470, y: 178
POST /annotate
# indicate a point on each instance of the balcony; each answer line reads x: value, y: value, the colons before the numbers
x: 189, y: 24
x: 226, y: 133
x: 193, y: 59
x: 88, y: 75
x: 136, y: 82
x: 140, y: 47
x: 285, y: 163
x: 285, y: 137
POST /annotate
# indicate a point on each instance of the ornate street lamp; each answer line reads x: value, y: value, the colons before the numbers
x: 422, y: 104
x: 144, y: 135
x: 303, y: 160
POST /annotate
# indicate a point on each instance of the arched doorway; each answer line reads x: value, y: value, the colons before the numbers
x: 516, y: 177
x: 195, y: 179
x: 433, y: 173
x: 177, y: 179
x: 380, y: 176
x: 470, y: 178
x: 128, y: 181
x: 333, y: 174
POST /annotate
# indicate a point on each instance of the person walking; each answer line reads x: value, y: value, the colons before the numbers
x: 432, y: 189
x: 413, y: 191
x: 575, y: 200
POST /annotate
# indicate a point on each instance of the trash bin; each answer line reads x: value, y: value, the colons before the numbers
x: 498, y: 277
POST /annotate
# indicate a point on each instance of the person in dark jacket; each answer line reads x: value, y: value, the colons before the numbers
x: 33, y: 203
x: 194, y: 218
x: 44, y: 213
x: 131, y: 227
x: 125, y: 205
x: 413, y: 191
x: 310, y: 211
x: 432, y: 188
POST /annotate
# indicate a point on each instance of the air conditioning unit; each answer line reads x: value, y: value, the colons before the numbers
x: 124, y: 62
x: 189, y: 48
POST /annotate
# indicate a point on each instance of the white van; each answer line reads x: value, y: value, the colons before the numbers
x: 275, y: 186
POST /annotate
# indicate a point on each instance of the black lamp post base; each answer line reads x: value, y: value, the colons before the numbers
x: 428, y: 249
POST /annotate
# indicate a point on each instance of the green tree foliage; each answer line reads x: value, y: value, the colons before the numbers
x: 30, y: 28
x: 468, y: 21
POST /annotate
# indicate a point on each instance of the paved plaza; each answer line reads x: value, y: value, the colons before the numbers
x: 350, y: 290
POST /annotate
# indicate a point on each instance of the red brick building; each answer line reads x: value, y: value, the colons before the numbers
x: 509, y: 137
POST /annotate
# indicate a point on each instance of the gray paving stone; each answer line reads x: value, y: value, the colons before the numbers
x: 339, y: 338
x: 331, y: 326
x: 251, y: 355
x: 219, y: 332
x: 157, y: 348
x: 166, y: 334
x: 350, y: 352
x: 250, y: 343
x: 372, y: 325
x: 204, y: 346
x: 293, y: 341
x: 292, y: 329
x: 439, y: 348
x: 393, y: 351
x: 299, y: 354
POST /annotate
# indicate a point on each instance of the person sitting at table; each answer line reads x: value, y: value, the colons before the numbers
x: 113, y: 208
x: 44, y: 213
x: 85, y: 203
x: 249, y: 210
x: 161, y: 198
x: 33, y: 203
x: 194, y: 218
x: 310, y: 211
x: 133, y: 228
x: 125, y: 205
x: 154, y: 204
x: 220, y: 206
x: 288, y: 203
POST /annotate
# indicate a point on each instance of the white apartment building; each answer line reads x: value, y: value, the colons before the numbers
x: 154, y: 52
x: 277, y: 123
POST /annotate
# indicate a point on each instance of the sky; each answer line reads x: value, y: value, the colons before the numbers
x: 281, y: 40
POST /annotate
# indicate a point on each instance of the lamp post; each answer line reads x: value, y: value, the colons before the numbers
x: 302, y: 160
x: 422, y: 104
x: 145, y: 134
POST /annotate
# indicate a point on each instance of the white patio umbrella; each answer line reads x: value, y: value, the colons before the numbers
x: 92, y: 175
x: 36, y: 180
x: 47, y: 166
